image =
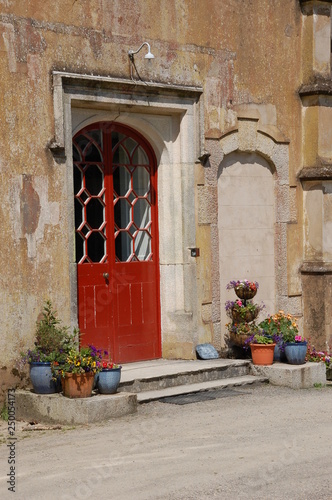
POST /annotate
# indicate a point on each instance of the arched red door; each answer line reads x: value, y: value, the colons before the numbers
x: 116, y: 223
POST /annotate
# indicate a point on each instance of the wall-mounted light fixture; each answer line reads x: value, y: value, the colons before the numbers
x: 149, y: 55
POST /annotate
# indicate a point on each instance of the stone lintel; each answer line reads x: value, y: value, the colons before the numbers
x: 75, y: 80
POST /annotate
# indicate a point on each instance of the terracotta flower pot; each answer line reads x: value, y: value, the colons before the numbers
x: 262, y: 354
x: 78, y: 385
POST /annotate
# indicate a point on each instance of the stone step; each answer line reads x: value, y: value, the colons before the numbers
x: 163, y: 374
x: 153, y: 395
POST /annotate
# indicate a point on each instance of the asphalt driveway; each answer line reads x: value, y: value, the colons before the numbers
x: 260, y: 442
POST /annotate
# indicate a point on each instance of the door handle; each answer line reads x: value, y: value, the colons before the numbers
x: 106, y: 276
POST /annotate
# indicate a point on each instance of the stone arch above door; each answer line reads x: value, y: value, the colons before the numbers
x: 270, y: 149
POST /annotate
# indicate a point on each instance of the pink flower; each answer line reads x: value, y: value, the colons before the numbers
x: 239, y: 303
x: 298, y: 338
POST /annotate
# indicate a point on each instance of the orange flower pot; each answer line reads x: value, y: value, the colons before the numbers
x: 262, y: 354
x: 78, y: 385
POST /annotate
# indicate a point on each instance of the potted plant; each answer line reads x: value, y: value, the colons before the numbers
x: 78, y: 371
x: 240, y: 332
x: 242, y: 311
x: 262, y: 348
x: 108, y: 379
x: 280, y: 326
x: 244, y: 289
x: 295, y: 348
x: 320, y: 357
x: 51, y: 341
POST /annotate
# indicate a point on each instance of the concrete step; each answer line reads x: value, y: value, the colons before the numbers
x: 162, y: 374
x: 148, y: 396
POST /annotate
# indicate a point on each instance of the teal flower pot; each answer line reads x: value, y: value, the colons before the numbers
x: 296, y: 352
x: 108, y: 380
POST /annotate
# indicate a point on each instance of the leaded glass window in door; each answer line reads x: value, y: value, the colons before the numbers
x: 132, y: 200
x: 89, y: 190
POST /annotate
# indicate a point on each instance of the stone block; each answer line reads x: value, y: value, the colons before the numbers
x: 293, y: 376
x: 57, y: 409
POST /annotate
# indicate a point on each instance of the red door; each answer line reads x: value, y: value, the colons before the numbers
x: 115, y: 185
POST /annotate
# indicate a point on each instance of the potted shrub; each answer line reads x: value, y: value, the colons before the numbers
x: 51, y: 341
x: 108, y: 379
x: 78, y: 370
x: 262, y: 348
x: 280, y: 326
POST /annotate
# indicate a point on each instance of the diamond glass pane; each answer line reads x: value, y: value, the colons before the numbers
x: 85, y: 229
x: 142, y: 245
x: 96, y: 247
x: 132, y: 229
x: 140, y: 157
x: 78, y: 179
x: 95, y: 213
x: 78, y: 213
x: 141, y: 181
x: 94, y: 179
x: 122, y: 213
x: 84, y: 196
x: 79, y: 247
x: 142, y: 213
x: 121, y: 181
x: 123, y: 246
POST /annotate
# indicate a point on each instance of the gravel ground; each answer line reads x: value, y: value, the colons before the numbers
x: 264, y: 442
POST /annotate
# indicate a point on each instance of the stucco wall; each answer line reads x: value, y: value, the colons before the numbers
x: 245, y: 56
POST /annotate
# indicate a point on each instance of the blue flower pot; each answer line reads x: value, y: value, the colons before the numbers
x: 279, y: 355
x: 41, y: 378
x: 108, y: 380
x: 296, y: 352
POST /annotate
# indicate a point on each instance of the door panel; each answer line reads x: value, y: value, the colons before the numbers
x: 117, y: 241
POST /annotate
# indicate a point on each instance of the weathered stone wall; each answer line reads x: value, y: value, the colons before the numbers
x: 245, y: 55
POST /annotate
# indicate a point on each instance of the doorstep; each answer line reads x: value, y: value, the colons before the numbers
x: 152, y: 380
x: 57, y: 409
x: 293, y: 376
